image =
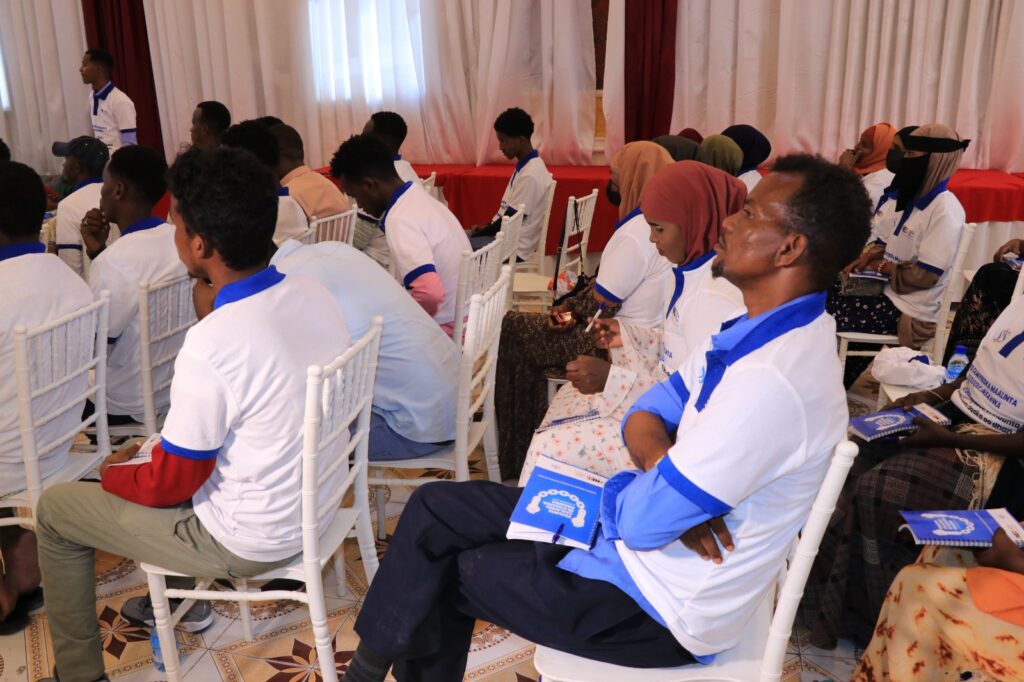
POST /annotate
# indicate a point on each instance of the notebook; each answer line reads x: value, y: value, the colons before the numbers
x: 1013, y: 260
x: 973, y: 528
x: 590, y: 415
x: 145, y: 453
x: 869, y: 274
x: 560, y: 504
x: 889, y: 422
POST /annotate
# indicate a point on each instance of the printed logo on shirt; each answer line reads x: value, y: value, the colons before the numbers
x: 1002, y: 336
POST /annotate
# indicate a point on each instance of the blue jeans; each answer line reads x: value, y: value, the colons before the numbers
x: 386, y: 445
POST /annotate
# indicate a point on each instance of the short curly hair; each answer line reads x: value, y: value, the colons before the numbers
x: 514, y: 122
x: 255, y: 136
x: 390, y: 127
x: 831, y: 209
x: 363, y: 156
x: 142, y: 168
x: 230, y: 199
x: 22, y: 200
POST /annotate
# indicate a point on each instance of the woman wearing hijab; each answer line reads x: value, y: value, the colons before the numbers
x: 756, y: 150
x: 867, y: 159
x: 685, y: 205
x: 679, y: 148
x: 692, y: 134
x: 722, y: 153
x: 632, y: 283
x: 915, y: 234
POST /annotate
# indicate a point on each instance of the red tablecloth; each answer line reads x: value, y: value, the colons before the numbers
x: 474, y: 192
x: 989, y: 195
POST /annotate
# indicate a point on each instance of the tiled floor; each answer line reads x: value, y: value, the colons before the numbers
x: 283, y: 648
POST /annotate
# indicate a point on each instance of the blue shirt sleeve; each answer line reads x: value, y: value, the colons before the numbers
x: 645, y: 511
x: 666, y: 401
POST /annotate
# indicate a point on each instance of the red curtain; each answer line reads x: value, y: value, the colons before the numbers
x: 650, y: 67
x: 119, y: 26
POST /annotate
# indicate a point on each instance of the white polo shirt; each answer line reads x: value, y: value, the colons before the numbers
x: 876, y: 183
x: 633, y: 273
x: 37, y: 288
x: 418, y: 365
x: 750, y: 179
x: 291, y: 219
x: 993, y: 392
x: 239, y: 394
x: 423, y: 236
x: 700, y: 304
x: 926, y: 233
x: 527, y: 186
x: 144, y: 253
x: 405, y: 169
x: 70, y: 212
x: 756, y: 451
x: 113, y: 117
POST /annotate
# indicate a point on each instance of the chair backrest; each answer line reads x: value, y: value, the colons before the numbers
x: 478, y: 271
x: 307, y: 237
x: 955, y: 277
x: 579, y: 215
x: 166, y: 313
x: 511, y: 227
x: 802, y: 559
x: 537, y: 262
x: 54, y: 359
x: 479, y: 361
x: 339, y: 227
x: 429, y: 182
x: 337, y: 424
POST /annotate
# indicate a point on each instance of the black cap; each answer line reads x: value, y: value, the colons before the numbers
x: 88, y: 150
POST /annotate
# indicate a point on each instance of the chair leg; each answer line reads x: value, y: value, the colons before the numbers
x: 367, y: 547
x: 244, y: 610
x: 491, y: 450
x: 382, y: 531
x: 164, y: 628
x: 339, y: 571
x: 552, y: 390
x: 318, y: 618
x: 844, y: 347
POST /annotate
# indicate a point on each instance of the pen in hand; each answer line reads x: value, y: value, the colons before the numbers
x: 590, y: 325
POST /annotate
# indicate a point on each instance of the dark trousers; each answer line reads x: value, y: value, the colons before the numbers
x: 112, y: 419
x: 449, y: 564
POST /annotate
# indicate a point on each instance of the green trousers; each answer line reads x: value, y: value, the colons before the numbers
x: 74, y: 520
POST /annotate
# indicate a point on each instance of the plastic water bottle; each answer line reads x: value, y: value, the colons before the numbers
x: 956, y: 364
x: 158, y: 659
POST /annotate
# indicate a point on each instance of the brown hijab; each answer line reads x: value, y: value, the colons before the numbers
x: 877, y: 140
x: 941, y: 165
x: 635, y: 164
x: 697, y: 197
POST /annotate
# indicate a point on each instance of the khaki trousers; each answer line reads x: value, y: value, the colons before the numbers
x: 75, y: 519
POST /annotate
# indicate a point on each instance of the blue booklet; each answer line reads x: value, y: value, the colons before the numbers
x: 973, y: 528
x: 889, y: 422
x: 561, y: 504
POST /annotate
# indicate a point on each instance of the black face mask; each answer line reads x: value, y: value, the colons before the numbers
x: 909, y: 178
x: 893, y: 160
x: 613, y: 194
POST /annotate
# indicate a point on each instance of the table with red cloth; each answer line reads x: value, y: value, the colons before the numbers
x: 474, y: 193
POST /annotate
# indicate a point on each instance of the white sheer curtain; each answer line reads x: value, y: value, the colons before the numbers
x: 812, y: 74
x: 613, y: 96
x: 447, y: 66
x: 42, y: 43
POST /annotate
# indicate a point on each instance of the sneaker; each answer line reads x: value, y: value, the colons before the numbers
x: 139, y: 611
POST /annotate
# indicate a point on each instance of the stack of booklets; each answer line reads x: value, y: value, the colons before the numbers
x: 869, y: 274
x: 890, y: 422
x: 973, y: 528
x: 1013, y: 260
x: 560, y: 504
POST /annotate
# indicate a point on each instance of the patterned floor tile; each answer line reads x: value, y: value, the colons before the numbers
x: 837, y: 669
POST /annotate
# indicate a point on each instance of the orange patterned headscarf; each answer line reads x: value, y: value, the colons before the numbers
x: 877, y: 139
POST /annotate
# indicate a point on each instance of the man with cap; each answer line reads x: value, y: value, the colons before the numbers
x: 84, y: 160
x: 111, y: 110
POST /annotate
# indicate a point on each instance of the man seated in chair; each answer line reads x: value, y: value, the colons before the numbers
x: 425, y: 239
x: 133, y: 182
x: 38, y: 288
x: 528, y: 185
x: 734, y: 445
x: 220, y: 498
